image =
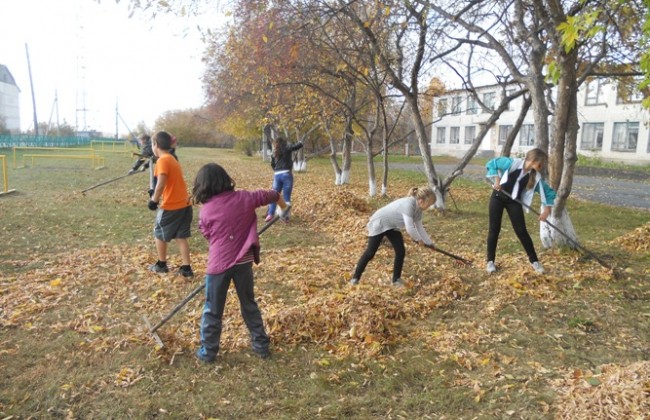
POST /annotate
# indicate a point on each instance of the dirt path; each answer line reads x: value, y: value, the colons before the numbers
x: 612, y: 188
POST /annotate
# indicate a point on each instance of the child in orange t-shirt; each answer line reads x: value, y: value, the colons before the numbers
x: 174, y: 216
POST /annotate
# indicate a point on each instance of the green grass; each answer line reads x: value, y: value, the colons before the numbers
x: 489, y: 353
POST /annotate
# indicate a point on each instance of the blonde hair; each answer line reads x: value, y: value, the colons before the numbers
x: 422, y: 193
x: 535, y: 155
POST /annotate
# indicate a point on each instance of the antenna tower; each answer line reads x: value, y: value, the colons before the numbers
x: 81, y: 74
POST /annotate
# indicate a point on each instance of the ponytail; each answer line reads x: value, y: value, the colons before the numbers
x: 422, y: 193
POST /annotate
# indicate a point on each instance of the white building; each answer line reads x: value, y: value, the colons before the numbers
x: 611, y: 128
x: 9, y: 100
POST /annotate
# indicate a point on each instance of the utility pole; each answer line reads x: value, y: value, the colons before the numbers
x: 31, y: 84
x: 117, y: 116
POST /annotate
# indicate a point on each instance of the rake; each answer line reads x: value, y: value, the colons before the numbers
x: 199, y: 288
x: 558, y: 230
x: 459, y: 259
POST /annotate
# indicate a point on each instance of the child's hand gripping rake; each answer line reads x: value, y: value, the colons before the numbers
x: 573, y: 242
x: 199, y: 288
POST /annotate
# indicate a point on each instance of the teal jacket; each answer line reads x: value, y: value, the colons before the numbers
x: 501, y: 166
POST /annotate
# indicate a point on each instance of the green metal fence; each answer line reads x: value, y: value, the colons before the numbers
x: 23, y: 140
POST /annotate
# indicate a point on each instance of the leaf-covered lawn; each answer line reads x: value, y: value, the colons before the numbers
x: 455, y: 343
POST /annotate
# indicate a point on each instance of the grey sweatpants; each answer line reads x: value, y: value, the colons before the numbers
x: 216, y: 291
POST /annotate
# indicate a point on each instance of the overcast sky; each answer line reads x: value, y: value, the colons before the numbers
x: 87, y: 58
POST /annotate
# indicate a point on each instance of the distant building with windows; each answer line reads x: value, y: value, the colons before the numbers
x: 613, y: 123
x: 9, y: 100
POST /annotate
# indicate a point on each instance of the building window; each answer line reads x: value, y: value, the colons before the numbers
x: 442, y: 107
x: 625, y: 137
x: 504, y: 130
x: 470, y: 134
x: 592, y: 136
x: 527, y: 135
x: 488, y: 101
x: 440, y: 135
x: 595, y: 95
x: 472, y: 107
x: 456, y: 104
x: 454, y: 135
x: 629, y: 92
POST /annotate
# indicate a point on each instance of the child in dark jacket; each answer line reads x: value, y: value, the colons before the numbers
x: 228, y: 221
x: 282, y: 164
x: 146, y: 153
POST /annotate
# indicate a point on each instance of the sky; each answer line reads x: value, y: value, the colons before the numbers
x: 96, y: 68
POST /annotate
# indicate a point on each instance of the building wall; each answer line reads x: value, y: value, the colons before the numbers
x: 610, y: 128
x: 9, y: 100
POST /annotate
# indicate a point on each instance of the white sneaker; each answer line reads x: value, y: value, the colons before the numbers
x: 354, y: 281
x: 537, y: 266
x: 398, y: 283
x: 491, y: 268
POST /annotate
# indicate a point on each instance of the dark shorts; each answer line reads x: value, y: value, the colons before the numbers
x: 173, y: 224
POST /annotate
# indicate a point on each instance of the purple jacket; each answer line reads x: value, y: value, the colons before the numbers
x: 229, y: 223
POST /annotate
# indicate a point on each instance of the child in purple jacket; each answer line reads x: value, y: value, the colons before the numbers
x: 228, y: 221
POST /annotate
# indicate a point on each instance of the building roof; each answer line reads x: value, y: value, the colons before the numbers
x: 5, y: 76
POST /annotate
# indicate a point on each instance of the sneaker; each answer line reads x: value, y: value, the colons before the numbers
x: 185, y: 271
x: 491, y: 268
x: 159, y: 267
x: 263, y: 354
x: 354, y: 281
x: 203, y: 355
x: 268, y: 218
x: 537, y: 266
x: 398, y: 283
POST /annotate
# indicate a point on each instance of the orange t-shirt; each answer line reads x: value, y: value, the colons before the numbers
x: 174, y: 195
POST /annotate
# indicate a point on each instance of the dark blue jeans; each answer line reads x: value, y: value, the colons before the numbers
x: 216, y: 291
x: 282, y: 183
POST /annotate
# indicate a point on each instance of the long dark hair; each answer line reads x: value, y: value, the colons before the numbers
x: 211, y: 180
x: 279, y: 145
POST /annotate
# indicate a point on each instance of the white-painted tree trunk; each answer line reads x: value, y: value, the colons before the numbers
x: 345, y: 177
x: 384, y: 190
x: 440, y: 199
x: 337, y: 179
x: 551, y: 238
x: 300, y: 166
x: 372, y: 188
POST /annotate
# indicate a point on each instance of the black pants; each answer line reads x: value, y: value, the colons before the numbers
x: 498, y: 202
x: 396, y: 240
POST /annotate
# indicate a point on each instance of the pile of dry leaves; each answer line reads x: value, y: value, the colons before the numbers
x: 637, y: 240
x: 609, y: 392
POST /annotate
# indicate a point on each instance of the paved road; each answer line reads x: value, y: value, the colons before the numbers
x: 606, y: 190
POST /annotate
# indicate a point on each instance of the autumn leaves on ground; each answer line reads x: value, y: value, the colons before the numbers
x: 456, y: 343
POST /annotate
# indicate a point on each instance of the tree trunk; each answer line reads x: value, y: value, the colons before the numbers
x: 347, y: 152
x: 370, y: 162
x: 267, y: 133
x: 562, y: 153
x: 335, y: 163
x: 425, y: 150
x: 550, y: 237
